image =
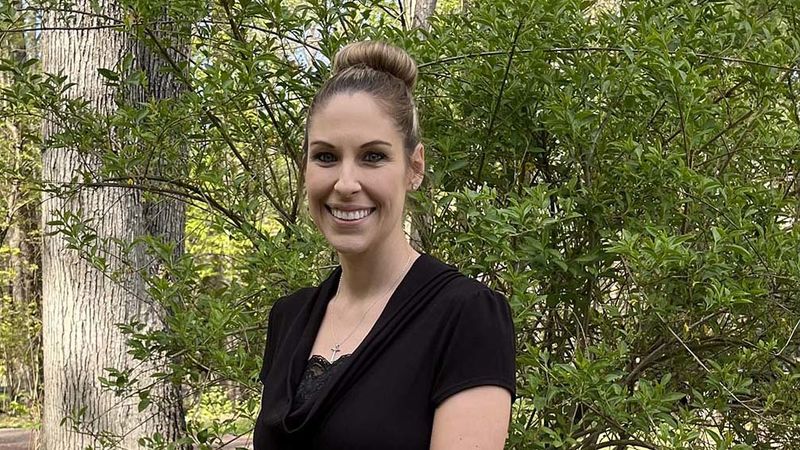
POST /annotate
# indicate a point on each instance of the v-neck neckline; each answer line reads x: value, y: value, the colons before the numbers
x: 326, y: 295
x: 329, y: 297
x: 426, y: 277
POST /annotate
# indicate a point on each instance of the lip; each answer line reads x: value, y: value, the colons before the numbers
x: 348, y: 207
x: 342, y: 222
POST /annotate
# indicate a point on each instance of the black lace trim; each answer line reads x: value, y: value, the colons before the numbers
x: 317, y: 373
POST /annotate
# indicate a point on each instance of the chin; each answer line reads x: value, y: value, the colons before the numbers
x: 347, y: 247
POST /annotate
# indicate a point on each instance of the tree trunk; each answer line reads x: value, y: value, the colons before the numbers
x: 419, y: 224
x: 25, y: 291
x: 82, y: 305
x: 422, y: 11
x: 23, y: 362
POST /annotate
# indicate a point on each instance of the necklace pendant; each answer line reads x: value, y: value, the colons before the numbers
x: 334, y: 351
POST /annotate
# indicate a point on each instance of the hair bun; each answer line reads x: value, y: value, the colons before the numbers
x: 379, y: 56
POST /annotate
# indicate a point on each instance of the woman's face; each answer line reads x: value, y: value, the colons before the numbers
x: 357, y: 174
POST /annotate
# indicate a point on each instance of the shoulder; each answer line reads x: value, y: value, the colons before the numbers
x: 463, y: 289
x: 475, y: 339
x: 290, y: 305
x: 466, y: 293
x: 294, y: 300
x: 464, y: 286
x: 472, y: 299
x: 283, y: 312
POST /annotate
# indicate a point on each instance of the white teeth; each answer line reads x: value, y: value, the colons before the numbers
x: 350, y: 215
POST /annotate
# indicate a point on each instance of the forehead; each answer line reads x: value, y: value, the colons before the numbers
x: 352, y: 118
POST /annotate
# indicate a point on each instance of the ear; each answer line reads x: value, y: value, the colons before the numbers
x: 417, y: 167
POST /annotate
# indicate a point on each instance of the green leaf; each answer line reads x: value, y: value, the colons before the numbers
x: 108, y: 74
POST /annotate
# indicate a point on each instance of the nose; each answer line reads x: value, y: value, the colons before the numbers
x: 347, y: 184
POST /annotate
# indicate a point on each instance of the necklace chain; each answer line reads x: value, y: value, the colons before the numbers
x: 337, y: 346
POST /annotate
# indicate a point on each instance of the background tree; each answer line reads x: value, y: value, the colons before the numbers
x: 422, y: 11
x: 20, y: 294
x: 83, y: 306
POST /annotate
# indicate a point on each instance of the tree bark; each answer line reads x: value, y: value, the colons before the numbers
x: 82, y: 305
x: 422, y: 11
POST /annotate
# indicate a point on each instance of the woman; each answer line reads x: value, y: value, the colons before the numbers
x: 394, y: 349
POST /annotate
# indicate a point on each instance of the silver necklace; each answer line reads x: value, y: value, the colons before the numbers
x: 337, y: 346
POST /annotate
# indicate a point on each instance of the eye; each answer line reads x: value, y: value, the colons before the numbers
x: 374, y: 157
x: 324, y: 157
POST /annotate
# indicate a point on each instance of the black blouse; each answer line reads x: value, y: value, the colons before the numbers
x: 440, y: 333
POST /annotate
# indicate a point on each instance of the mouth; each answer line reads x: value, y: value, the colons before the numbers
x: 350, y: 216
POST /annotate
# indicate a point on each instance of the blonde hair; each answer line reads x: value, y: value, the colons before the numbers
x: 382, y: 70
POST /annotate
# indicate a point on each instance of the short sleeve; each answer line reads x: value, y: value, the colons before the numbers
x: 478, y: 347
x: 273, y: 322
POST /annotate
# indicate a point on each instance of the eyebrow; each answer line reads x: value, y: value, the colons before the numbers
x: 365, y: 145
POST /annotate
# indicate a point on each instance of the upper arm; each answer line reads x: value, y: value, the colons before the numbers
x: 475, y: 418
x: 475, y: 378
x: 475, y: 346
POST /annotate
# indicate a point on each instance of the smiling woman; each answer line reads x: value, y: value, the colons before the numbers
x: 421, y: 356
x: 357, y: 175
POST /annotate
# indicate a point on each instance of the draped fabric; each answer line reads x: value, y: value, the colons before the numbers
x: 440, y: 333
x: 318, y: 371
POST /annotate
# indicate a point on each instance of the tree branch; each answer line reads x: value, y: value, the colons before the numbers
x: 216, y: 121
x: 740, y: 61
x: 496, y: 107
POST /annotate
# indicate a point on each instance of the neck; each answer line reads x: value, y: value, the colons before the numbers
x: 369, y: 274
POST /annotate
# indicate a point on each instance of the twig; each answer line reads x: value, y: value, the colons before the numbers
x: 215, y: 120
x: 606, y: 49
x: 499, y: 96
x: 790, y: 337
x: 403, y: 23
x: 703, y: 365
x: 623, y: 442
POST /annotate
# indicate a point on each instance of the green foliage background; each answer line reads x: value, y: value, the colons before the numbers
x: 20, y: 322
x: 625, y: 172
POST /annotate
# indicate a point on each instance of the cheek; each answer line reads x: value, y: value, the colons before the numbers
x: 394, y: 196
x: 314, y: 195
x: 315, y: 183
x: 388, y: 187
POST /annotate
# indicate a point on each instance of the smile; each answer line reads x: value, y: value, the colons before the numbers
x: 350, y: 216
